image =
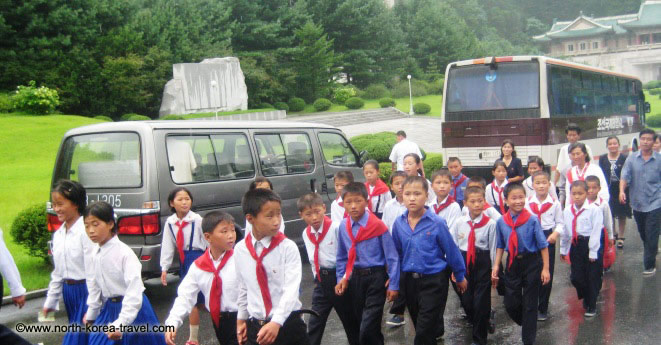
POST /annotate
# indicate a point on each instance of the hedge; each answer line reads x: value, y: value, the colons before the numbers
x: 103, y: 117
x: 385, y: 171
x: 172, y: 117
x: 387, y: 102
x: 421, y: 108
x: 418, y: 88
x: 30, y: 230
x: 266, y: 105
x: 281, y: 106
x: 354, y: 103
x: 376, y: 91
x: 652, y: 85
x: 126, y: 117
x: 433, y: 162
x: 322, y: 104
x: 296, y: 104
x: 139, y: 118
x: 656, y: 91
x: 654, y: 120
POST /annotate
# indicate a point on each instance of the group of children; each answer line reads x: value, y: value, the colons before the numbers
x: 450, y: 231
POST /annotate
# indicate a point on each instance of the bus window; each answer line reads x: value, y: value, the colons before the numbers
x: 560, y: 98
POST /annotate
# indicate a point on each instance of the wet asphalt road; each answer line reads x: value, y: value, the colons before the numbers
x: 627, y: 311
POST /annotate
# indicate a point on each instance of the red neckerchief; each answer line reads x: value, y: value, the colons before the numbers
x: 262, y: 279
x: 205, y: 263
x: 470, y: 253
x: 380, y: 187
x: 456, y: 185
x: 486, y: 206
x: 499, y: 190
x: 316, y: 241
x: 574, y: 222
x: 513, y: 243
x: 373, y: 228
x: 535, y: 209
x: 341, y: 204
x: 448, y: 201
x: 580, y: 175
x: 180, y: 238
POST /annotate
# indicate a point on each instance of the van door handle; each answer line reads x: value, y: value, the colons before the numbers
x: 312, y: 185
x: 324, y: 187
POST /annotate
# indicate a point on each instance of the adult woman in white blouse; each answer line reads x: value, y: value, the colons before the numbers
x: 581, y: 169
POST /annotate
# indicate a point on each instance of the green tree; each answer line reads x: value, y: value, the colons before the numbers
x: 314, y: 61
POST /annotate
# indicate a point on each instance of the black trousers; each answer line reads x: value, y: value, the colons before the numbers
x: 586, y: 275
x: 522, y: 281
x: 649, y: 225
x: 477, y: 298
x: 292, y: 332
x: 422, y: 299
x: 399, y: 305
x: 226, y: 330
x: 368, y: 294
x: 324, y: 300
x: 545, y: 290
x: 7, y: 336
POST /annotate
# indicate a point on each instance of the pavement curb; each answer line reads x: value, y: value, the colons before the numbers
x: 28, y: 296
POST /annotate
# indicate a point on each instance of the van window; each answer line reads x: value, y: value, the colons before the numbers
x: 203, y: 158
x: 282, y: 154
x: 336, y: 149
x: 102, y: 160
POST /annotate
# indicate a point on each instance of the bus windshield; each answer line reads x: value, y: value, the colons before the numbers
x: 512, y: 85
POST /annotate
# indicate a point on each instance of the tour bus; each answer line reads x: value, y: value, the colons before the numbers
x: 531, y: 100
x: 134, y: 165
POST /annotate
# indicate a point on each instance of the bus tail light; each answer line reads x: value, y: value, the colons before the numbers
x: 54, y: 223
x: 142, y: 224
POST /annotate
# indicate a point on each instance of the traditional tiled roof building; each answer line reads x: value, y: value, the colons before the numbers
x: 629, y: 43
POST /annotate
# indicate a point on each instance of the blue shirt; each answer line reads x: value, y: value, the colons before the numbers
x: 644, y: 181
x: 530, y: 235
x: 377, y: 251
x: 460, y: 189
x: 429, y: 248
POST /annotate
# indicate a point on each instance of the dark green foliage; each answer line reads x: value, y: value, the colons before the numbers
x: 172, y: 117
x: 354, y: 103
x: 296, y: 104
x: 653, y: 120
x: 322, y: 104
x: 281, y: 106
x: 376, y: 91
x: 6, y: 103
x: 266, y: 106
x: 654, y: 84
x: 387, y: 102
x: 30, y: 230
x: 656, y: 91
x: 433, y: 162
x: 139, y: 118
x: 127, y: 116
x: 418, y: 88
x: 104, y: 118
x: 421, y: 108
x: 435, y: 86
x: 378, y: 146
x: 314, y: 62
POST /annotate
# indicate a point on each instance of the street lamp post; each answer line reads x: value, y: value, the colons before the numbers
x: 410, y: 96
x: 214, y: 85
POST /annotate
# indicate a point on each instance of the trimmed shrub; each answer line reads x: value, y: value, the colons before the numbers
x: 30, y: 230
x: 387, y: 102
x: 433, y: 162
x: 6, y: 103
x: 266, y: 106
x: 172, y: 117
x: 35, y: 100
x: 376, y: 91
x: 281, y: 106
x: 385, y: 171
x: 103, y: 118
x: 656, y: 91
x: 378, y: 146
x: 296, y: 104
x: 421, y: 108
x: 354, y: 103
x: 342, y: 94
x: 322, y: 104
x: 654, y: 120
x: 418, y: 88
x: 654, y: 84
x: 139, y: 118
x: 126, y: 117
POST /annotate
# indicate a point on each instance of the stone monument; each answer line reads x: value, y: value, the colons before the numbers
x: 216, y: 84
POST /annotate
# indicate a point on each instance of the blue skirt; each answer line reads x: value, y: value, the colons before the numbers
x: 189, y: 258
x: 75, y: 301
x: 146, y: 315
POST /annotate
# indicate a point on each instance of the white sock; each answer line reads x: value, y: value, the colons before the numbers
x: 193, y: 332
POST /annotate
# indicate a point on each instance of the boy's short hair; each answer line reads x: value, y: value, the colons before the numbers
x: 454, y: 159
x: 573, y: 127
x: 579, y: 183
x: 416, y: 179
x: 474, y: 190
x: 355, y: 188
x: 444, y: 172
x: 309, y: 200
x: 541, y: 173
x: 510, y: 187
x: 592, y: 178
x: 344, y: 175
x: 213, y: 218
x: 477, y: 179
x: 258, y: 180
x: 401, y: 134
x: 253, y: 200
x: 398, y: 173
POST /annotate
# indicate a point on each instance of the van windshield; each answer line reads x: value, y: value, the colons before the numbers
x: 101, y: 160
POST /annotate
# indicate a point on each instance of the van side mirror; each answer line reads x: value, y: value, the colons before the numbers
x: 648, y: 107
x: 362, y: 157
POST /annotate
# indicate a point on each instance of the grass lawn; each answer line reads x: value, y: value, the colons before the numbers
x: 435, y: 101
x: 28, y: 145
x: 224, y: 113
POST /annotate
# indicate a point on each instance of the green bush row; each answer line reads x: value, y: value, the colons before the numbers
x: 322, y: 104
x: 654, y: 84
x: 656, y: 91
x: 653, y: 120
x: 421, y: 108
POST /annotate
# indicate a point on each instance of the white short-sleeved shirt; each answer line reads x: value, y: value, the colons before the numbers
x: 401, y: 149
x: 182, y: 161
x: 564, y: 162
